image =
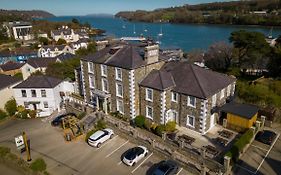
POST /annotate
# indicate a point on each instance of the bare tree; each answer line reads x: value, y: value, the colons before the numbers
x: 219, y: 56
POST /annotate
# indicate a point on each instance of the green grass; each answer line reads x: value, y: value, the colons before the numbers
x: 38, y: 165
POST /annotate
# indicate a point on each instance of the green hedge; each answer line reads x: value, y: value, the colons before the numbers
x: 239, y: 145
x: 140, y: 121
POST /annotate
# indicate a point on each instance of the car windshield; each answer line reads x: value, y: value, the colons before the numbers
x: 131, y: 154
x: 162, y: 169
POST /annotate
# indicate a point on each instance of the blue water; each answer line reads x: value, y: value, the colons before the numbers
x: 185, y: 36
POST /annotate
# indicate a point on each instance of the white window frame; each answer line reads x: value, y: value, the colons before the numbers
x: 91, y: 67
x: 103, y: 70
x: 117, y: 90
x: 146, y: 94
x: 43, y: 90
x: 188, y: 101
x: 45, y: 104
x: 103, y: 85
x: 187, y: 121
x: 172, y: 97
x: 117, y: 71
x: 92, y: 82
x: 222, y: 94
x: 118, y: 104
x: 147, y: 114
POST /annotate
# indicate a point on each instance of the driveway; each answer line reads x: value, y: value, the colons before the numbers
x: 261, y: 159
x: 75, y: 157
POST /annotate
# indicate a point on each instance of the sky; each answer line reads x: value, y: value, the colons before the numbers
x: 84, y: 7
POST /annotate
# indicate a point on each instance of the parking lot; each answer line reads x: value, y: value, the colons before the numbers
x: 75, y: 157
x: 261, y: 159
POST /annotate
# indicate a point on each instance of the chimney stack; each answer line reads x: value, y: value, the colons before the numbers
x: 151, y: 54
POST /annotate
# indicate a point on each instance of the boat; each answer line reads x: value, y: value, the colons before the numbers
x: 161, y: 32
x: 270, y: 36
x: 134, y: 29
x: 124, y: 27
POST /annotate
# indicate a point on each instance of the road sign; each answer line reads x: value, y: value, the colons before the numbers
x: 19, y: 142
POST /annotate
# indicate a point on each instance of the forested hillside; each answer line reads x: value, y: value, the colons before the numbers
x: 256, y: 12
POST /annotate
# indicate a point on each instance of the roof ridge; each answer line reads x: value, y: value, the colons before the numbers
x: 197, y: 79
x: 159, y: 72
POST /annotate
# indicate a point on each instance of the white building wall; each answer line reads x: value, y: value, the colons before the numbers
x: 27, y: 70
x: 6, y: 94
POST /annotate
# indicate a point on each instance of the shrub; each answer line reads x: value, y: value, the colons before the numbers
x: 61, y: 41
x: 147, y: 124
x: 159, y: 130
x: 81, y: 115
x: 170, y: 126
x: 11, y: 107
x: 32, y: 113
x: 3, y: 114
x: 100, y: 125
x: 89, y: 134
x: 22, y: 114
x: 140, y: 121
x: 239, y: 145
x: 38, y: 165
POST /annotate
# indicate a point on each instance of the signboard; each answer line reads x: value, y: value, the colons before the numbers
x: 19, y: 142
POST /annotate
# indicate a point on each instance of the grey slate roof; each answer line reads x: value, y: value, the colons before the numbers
x: 196, y: 81
x: 40, y: 81
x: 244, y: 110
x: 192, y: 80
x: 40, y: 61
x: 11, y: 65
x: 65, y: 56
x: 53, y: 47
x: 158, y: 79
x: 128, y: 57
x: 6, y: 80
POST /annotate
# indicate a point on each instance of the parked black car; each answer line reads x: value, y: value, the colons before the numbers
x: 165, y: 167
x: 57, y: 121
x: 266, y: 137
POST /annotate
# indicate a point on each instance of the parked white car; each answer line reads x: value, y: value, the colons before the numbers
x: 100, y: 137
x: 133, y: 155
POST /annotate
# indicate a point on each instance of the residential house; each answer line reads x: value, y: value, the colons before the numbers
x: 81, y: 43
x: 36, y: 64
x: 65, y: 56
x: 110, y: 76
x: 19, y: 30
x: 42, y: 93
x: 65, y: 33
x: 11, y: 68
x: 6, y: 88
x: 54, y: 50
x: 186, y: 94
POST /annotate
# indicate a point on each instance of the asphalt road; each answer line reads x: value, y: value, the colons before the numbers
x: 75, y: 157
x: 261, y: 159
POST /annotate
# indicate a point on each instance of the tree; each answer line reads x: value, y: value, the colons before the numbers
x: 38, y: 72
x: 219, y: 56
x: 61, y: 41
x: 91, y: 48
x: 274, y: 65
x: 249, y: 46
x: 75, y: 21
x: 43, y: 40
x: 195, y: 55
x: 11, y: 107
x: 19, y: 75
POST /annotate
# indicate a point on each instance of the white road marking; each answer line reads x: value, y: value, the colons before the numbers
x: 142, y: 163
x: 245, y: 169
x: 259, y: 148
x: 120, y: 162
x: 179, y: 171
x: 267, y: 153
x: 117, y: 149
x: 108, y: 141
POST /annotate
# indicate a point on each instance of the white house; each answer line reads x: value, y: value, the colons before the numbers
x: 42, y: 93
x: 19, y: 30
x: 65, y: 33
x: 36, y: 64
x: 54, y: 50
x: 6, y: 88
x: 81, y: 43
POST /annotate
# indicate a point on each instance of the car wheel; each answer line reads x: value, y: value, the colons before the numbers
x: 98, y: 145
x: 134, y: 164
x: 145, y: 154
x: 111, y: 136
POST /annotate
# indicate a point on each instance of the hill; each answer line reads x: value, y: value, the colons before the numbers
x: 18, y: 15
x: 255, y: 12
